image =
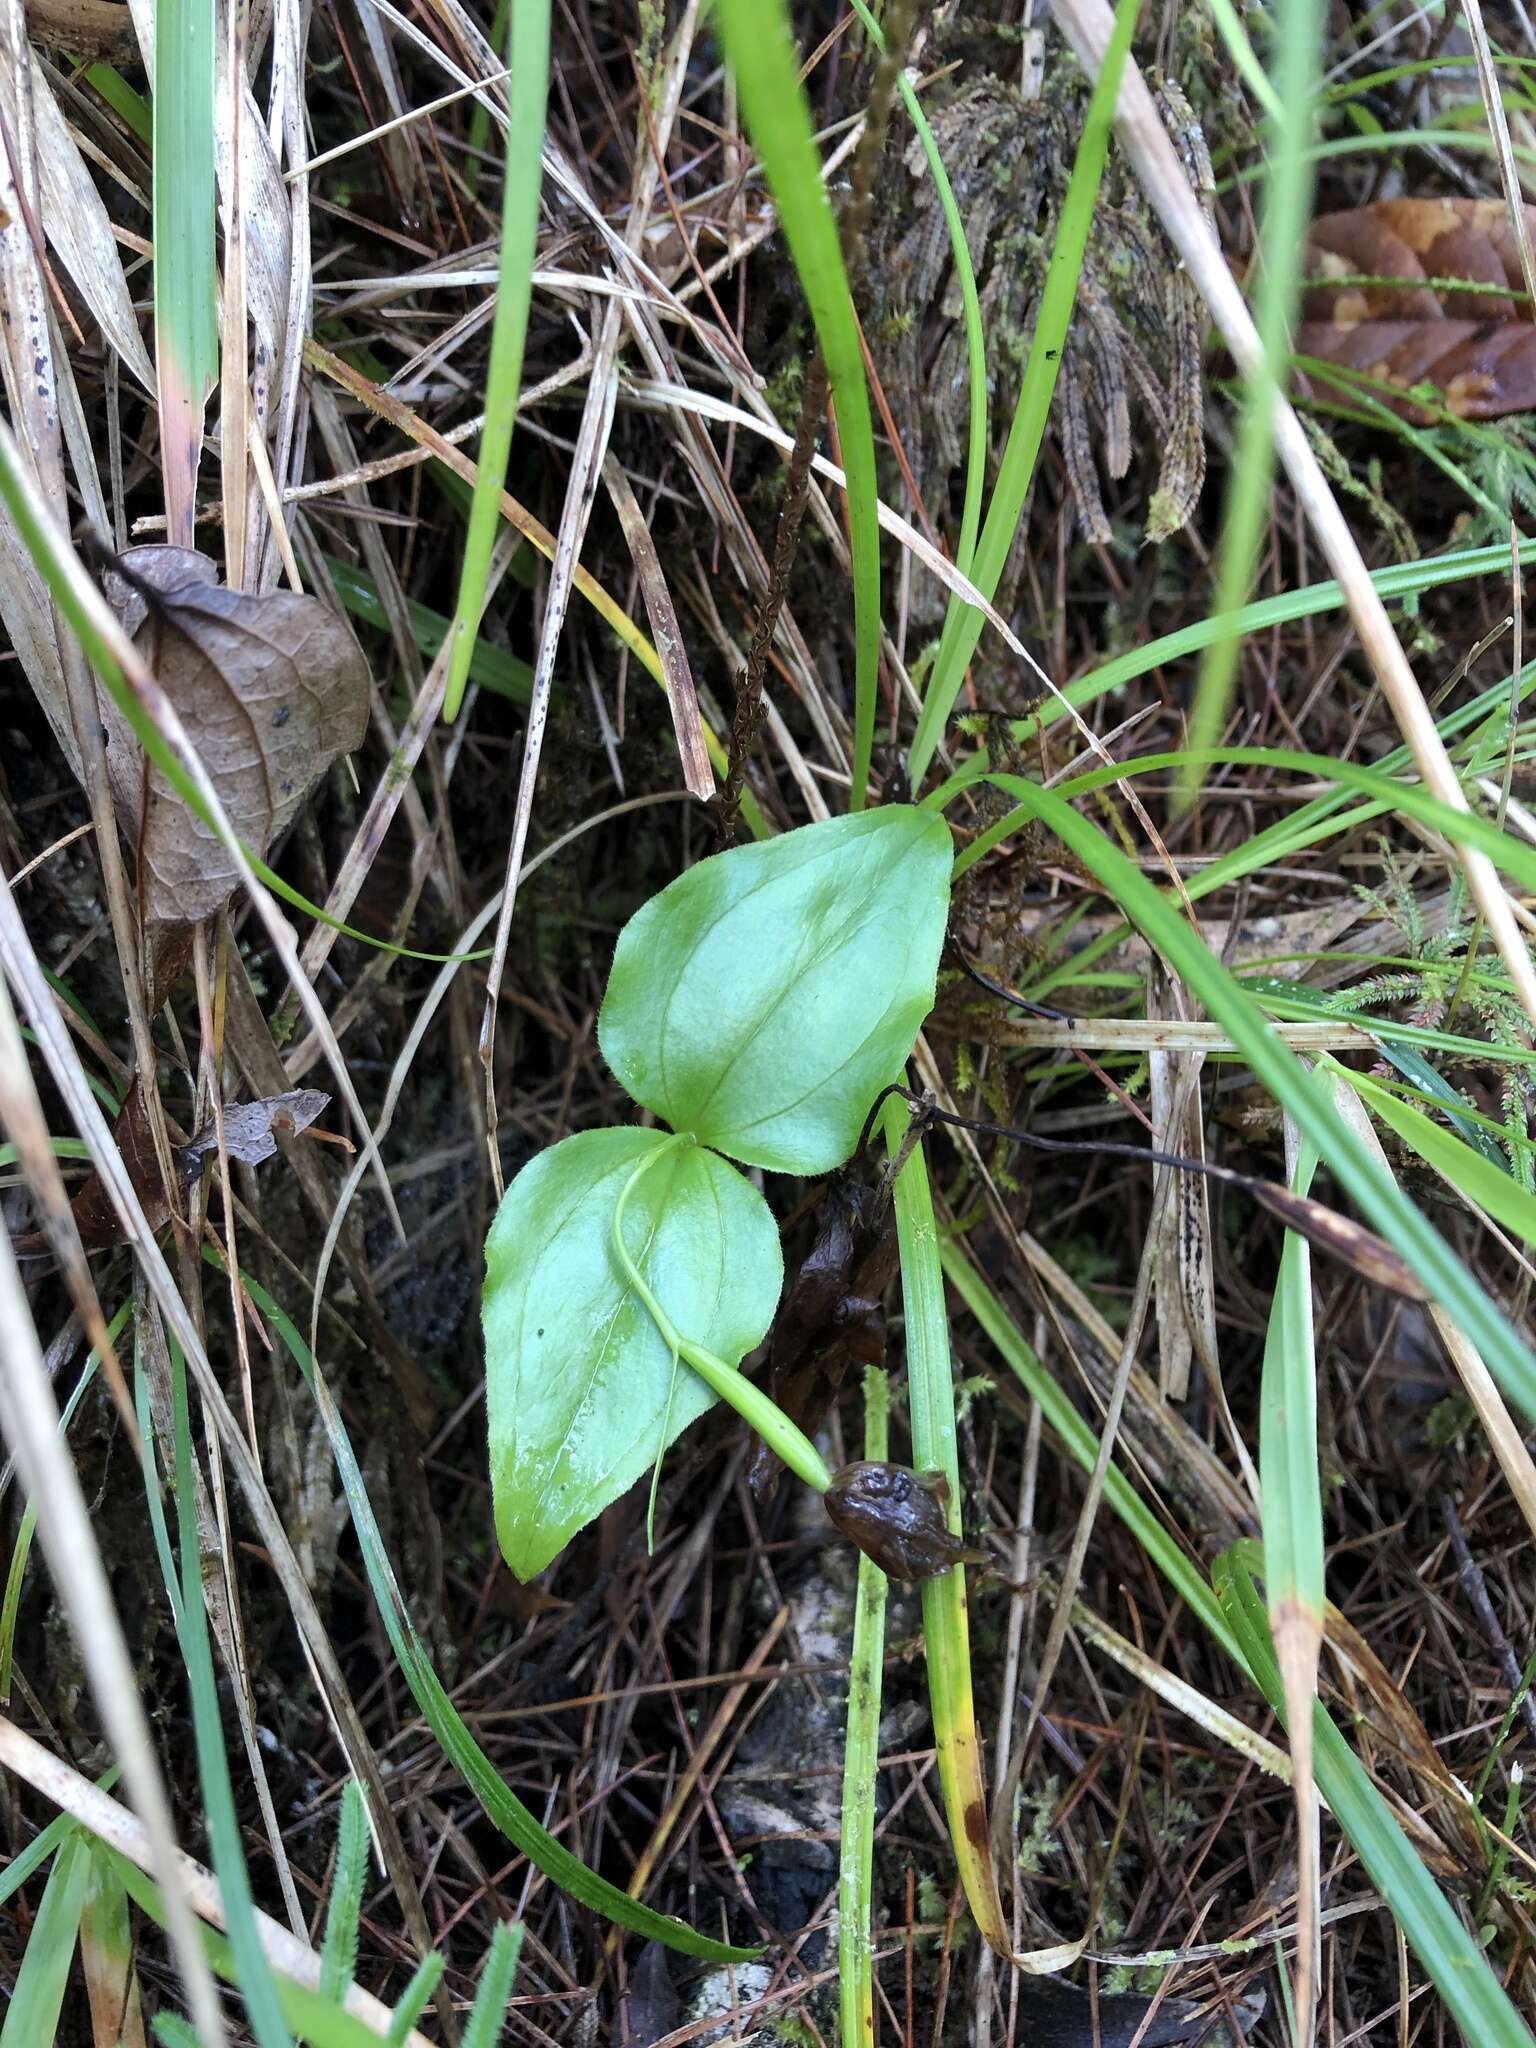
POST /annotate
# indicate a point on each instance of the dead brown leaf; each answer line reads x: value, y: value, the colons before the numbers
x: 251, y: 1134
x: 1393, y: 296
x: 271, y: 688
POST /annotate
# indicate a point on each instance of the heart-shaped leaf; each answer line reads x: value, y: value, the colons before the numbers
x: 577, y: 1373
x: 764, y: 998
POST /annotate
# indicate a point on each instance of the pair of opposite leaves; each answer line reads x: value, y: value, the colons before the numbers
x: 758, y: 1005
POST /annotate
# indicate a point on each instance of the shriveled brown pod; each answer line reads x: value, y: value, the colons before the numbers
x: 897, y: 1517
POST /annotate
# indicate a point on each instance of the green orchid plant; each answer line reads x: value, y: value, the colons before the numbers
x: 758, y: 1006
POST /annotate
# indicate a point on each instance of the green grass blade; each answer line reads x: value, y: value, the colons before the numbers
x: 131, y: 108
x: 1292, y: 1493
x: 1466, y: 828
x: 1448, y: 1951
x: 1081, y: 1443
x: 1282, y: 232
x: 946, y: 1627
x: 1467, y: 1170
x: 490, y: 2006
x: 861, y: 1759
x: 970, y: 307
x: 258, y: 1987
x: 412, y: 2002
x: 963, y: 622
x: 528, y: 60
x: 501, y: 1806
x: 1508, y: 1356
x: 491, y: 667
x: 1400, y: 580
x: 1292, y: 1500
x: 760, y: 50
x: 186, y: 274
x: 1234, y: 1613
x: 338, y: 1952
x: 37, y: 1999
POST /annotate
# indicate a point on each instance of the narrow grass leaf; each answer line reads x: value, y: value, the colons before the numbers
x: 1508, y: 1356
x: 1465, y: 1169
x: 1297, y: 44
x: 946, y: 1627
x: 186, y: 273
x: 861, y: 1762
x: 1292, y: 1501
x: 413, y: 2000
x: 528, y: 61
x: 1399, y: 581
x: 1235, y: 1615
x: 970, y: 308
x: 760, y: 49
x: 963, y: 622
x: 37, y: 1998
x: 338, y: 1953
x: 1447, y: 1949
x: 503, y: 674
x: 495, y: 1988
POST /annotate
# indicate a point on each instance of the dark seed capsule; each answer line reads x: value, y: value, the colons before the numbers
x: 897, y: 1517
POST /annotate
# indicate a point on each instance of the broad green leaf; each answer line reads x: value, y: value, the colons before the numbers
x: 764, y: 999
x: 577, y: 1374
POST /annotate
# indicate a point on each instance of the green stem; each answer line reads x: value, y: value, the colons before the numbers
x: 750, y: 1402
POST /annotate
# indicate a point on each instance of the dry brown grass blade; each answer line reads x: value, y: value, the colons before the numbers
x: 1186, y: 1308
x: 591, y: 442
x: 1086, y: 24
x: 416, y: 429
x: 682, y: 697
x: 114, y: 1825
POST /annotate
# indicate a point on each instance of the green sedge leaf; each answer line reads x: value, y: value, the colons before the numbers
x: 577, y: 1374
x: 764, y: 998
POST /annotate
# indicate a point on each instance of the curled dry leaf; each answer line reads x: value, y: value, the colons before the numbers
x: 251, y: 1134
x: 271, y: 688
x: 1422, y: 291
x: 252, y: 1129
